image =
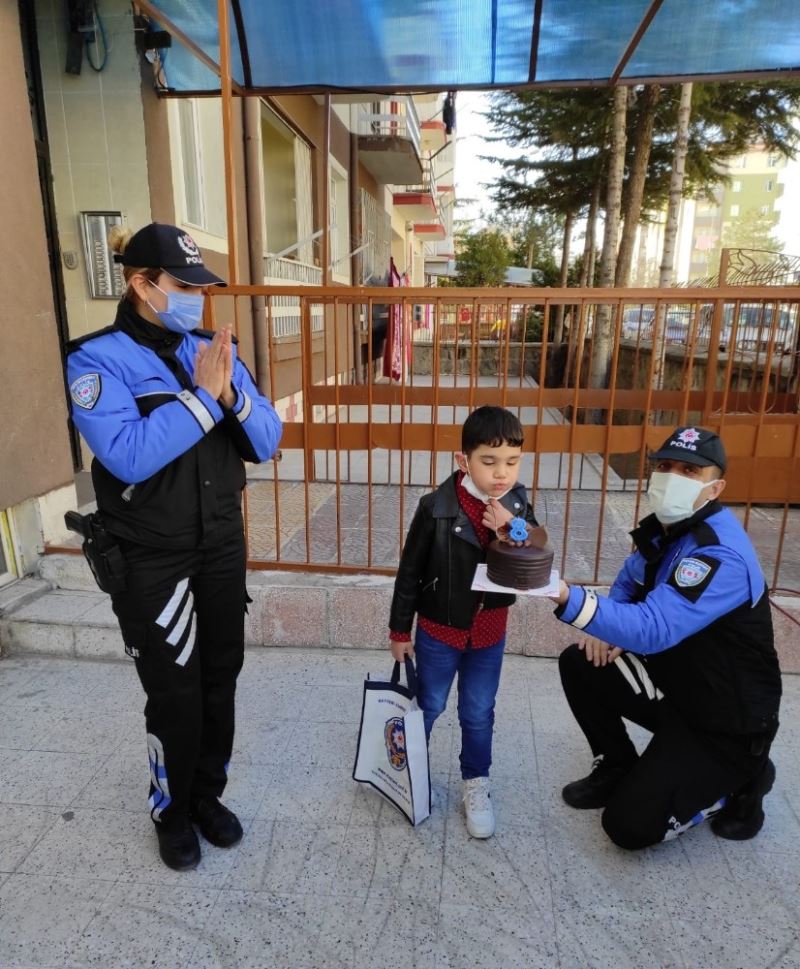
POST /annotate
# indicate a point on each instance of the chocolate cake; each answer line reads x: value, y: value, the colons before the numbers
x: 520, y: 566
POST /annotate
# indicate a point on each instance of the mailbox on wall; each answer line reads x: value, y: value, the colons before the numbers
x: 103, y: 274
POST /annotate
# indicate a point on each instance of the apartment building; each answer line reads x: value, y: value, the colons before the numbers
x: 743, y: 212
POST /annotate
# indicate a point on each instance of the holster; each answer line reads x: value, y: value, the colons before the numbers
x: 101, y: 550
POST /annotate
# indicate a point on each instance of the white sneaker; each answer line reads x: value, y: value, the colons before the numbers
x: 478, y: 807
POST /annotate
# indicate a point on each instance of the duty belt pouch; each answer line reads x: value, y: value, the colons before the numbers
x: 101, y: 551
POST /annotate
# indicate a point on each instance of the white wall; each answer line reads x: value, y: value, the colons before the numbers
x: 97, y: 147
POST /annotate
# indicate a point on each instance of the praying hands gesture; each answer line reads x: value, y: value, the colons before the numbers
x: 213, y: 367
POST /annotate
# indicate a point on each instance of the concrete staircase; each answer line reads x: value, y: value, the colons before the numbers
x: 61, y: 612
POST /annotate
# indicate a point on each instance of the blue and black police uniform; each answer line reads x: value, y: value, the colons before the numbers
x: 168, y: 474
x: 690, y: 609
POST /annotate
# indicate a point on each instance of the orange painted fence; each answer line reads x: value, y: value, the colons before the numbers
x: 722, y: 358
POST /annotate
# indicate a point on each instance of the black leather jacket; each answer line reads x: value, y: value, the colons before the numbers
x: 439, y: 559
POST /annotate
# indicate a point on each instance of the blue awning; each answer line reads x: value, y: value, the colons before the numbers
x: 415, y: 45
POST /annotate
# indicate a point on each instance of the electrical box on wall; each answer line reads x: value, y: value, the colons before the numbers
x: 103, y: 274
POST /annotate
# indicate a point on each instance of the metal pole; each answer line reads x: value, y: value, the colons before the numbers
x: 227, y: 135
x: 255, y: 238
x: 326, y: 195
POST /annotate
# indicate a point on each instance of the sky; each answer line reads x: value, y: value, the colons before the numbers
x: 471, y: 171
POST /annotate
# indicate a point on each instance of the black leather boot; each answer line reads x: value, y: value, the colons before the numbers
x: 217, y: 824
x: 594, y: 790
x: 178, y: 846
x: 743, y: 815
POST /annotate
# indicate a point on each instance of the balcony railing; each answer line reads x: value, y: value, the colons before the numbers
x: 395, y: 118
x: 285, y: 310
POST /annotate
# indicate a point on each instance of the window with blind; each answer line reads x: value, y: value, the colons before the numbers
x: 288, y: 197
x: 191, y: 162
x: 376, y: 231
x: 339, y: 224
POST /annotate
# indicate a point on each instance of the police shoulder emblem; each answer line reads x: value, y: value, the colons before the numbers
x: 394, y: 735
x: 85, y: 390
x: 691, y: 572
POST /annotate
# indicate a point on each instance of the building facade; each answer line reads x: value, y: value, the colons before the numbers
x: 100, y: 140
x: 746, y: 211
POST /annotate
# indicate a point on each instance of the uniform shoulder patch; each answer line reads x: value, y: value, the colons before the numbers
x: 693, y: 574
x: 85, y: 390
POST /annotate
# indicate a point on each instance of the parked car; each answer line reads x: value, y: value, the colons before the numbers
x: 754, y: 323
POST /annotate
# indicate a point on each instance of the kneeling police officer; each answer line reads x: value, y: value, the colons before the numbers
x: 171, y: 414
x: 683, y: 646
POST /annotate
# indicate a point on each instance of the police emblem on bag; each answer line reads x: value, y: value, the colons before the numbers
x: 691, y: 572
x: 394, y: 734
x: 85, y: 391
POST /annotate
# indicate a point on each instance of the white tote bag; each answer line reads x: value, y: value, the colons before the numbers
x: 392, y: 754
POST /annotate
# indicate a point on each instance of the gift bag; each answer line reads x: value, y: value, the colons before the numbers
x: 392, y: 754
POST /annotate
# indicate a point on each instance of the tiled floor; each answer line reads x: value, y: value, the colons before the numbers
x: 328, y: 875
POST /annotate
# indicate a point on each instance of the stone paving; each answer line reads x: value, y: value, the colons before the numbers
x: 355, y: 546
x: 330, y: 876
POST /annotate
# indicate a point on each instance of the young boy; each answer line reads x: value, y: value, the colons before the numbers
x: 460, y: 631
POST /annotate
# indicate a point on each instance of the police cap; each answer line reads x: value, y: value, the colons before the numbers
x: 160, y: 246
x: 693, y: 445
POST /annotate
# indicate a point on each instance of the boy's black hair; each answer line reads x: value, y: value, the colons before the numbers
x: 492, y: 426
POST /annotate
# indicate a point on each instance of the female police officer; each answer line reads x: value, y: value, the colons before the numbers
x: 170, y: 413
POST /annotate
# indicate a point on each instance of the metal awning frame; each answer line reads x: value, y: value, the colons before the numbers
x: 230, y: 87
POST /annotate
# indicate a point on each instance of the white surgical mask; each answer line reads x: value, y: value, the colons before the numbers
x: 469, y: 485
x: 672, y: 496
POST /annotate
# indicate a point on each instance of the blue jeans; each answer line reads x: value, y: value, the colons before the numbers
x: 478, y: 678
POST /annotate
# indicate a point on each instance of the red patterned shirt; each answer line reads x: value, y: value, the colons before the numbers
x: 488, y: 625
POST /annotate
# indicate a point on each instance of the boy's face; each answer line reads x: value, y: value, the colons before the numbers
x: 493, y: 469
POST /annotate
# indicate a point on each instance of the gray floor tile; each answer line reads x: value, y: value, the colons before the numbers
x: 738, y: 938
x: 46, y: 777
x: 21, y: 826
x: 314, y: 743
x: 329, y: 874
x: 24, y: 733
x: 262, y: 743
x: 43, y: 917
x: 61, y: 605
x: 261, y: 930
x: 112, y: 845
x: 599, y: 933
x: 377, y: 933
x: 246, y: 789
x: 287, y: 857
x: 298, y: 792
x: 509, y: 870
x: 393, y: 862
x: 91, y: 732
x: 145, y: 925
x: 471, y: 935
x: 15, y: 675
x: 123, y: 781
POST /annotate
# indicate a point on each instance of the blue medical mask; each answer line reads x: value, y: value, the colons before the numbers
x: 184, y: 311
